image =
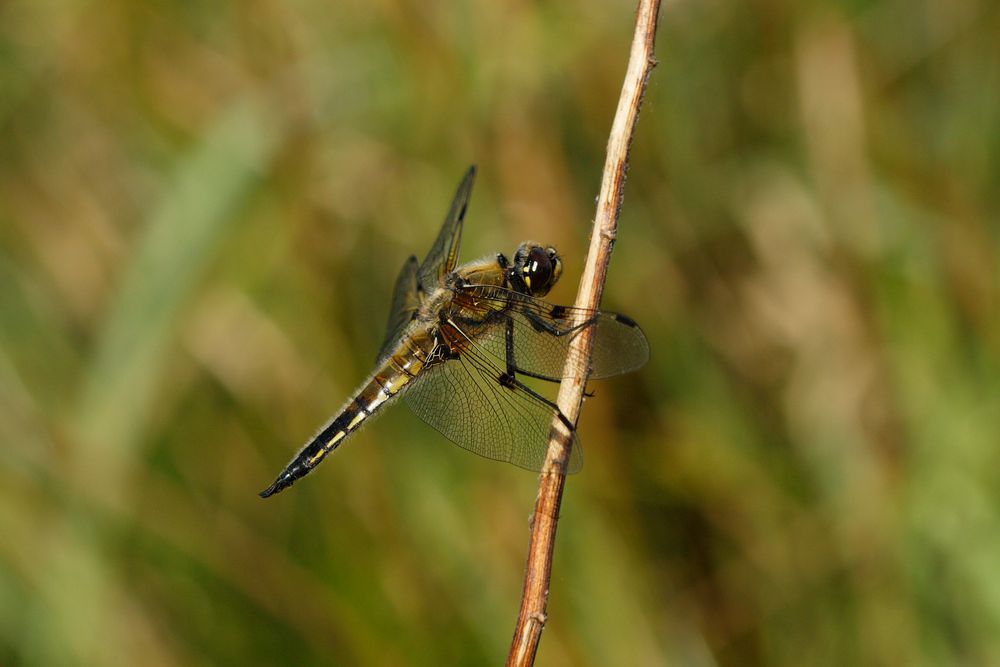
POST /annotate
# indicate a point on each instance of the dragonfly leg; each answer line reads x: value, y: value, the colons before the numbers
x: 510, y: 378
x: 512, y: 368
x: 509, y: 338
x: 513, y: 383
x: 540, y: 324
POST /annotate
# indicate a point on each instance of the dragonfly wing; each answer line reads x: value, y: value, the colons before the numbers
x: 405, y: 302
x: 541, y: 333
x: 467, y: 402
x: 443, y: 255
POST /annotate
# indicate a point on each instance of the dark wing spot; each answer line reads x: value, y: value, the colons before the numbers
x: 506, y: 380
x: 559, y: 312
x: 626, y: 320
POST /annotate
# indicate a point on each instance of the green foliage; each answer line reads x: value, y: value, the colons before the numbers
x: 203, y: 207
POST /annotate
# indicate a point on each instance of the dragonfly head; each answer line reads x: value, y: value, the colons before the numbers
x: 536, y: 269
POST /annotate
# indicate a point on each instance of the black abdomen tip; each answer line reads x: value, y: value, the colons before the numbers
x: 285, y: 480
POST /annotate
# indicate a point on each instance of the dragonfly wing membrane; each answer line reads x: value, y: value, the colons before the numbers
x: 619, y: 347
x: 466, y: 401
x: 405, y: 302
x: 443, y: 255
x: 542, y: 332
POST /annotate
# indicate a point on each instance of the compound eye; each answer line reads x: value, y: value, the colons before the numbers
x: 538, y: 270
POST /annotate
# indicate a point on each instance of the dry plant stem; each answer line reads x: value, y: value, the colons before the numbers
x: 532, y: 615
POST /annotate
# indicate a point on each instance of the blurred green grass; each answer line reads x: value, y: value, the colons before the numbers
x: 202, y: 210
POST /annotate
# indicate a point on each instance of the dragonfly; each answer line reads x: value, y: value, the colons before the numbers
x: 461, y: 343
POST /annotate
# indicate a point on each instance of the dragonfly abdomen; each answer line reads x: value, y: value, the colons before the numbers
x: 396, y: 372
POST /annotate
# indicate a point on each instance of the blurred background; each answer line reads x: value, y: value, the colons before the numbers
x: 203, y: 207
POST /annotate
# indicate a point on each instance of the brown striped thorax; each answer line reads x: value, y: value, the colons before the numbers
x: 460, y: 342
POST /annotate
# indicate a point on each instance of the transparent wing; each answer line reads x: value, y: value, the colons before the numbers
x: 405, y: 301
x: 465, y: 400
x: 541, y: 333
x: 443, y: 255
